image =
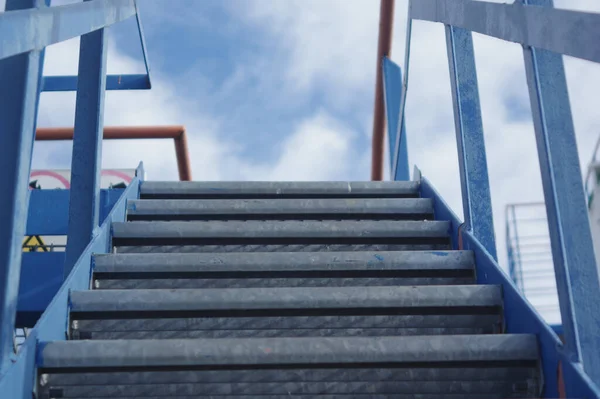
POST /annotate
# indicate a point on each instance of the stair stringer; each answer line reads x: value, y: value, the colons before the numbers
x: 519, y: 315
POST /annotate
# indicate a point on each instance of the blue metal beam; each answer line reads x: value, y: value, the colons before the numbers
x: 84, y: 204
x: 19, y: 95
x: 392, y: 88
x: 113, y: 82
x: 475, y: 185
x: 42, y: 27
x: 572, y: 247
x: 561, y: 31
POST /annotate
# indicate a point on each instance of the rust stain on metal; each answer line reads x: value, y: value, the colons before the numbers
x: 177, y: 133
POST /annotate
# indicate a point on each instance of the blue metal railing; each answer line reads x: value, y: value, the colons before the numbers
x: 573, y: 33
x: 26, y: 28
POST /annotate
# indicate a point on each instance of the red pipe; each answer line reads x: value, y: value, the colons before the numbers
x: 384, y: 47
x: 177, y: 133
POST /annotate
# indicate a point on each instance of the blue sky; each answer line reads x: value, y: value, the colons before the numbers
x: 283, y: 90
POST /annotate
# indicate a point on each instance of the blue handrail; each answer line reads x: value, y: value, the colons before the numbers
x: 573, y: 33
x: 26, y: 28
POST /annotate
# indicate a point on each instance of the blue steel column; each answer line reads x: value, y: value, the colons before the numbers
x: 20, y: 78
x: 477, y: 202
x: 84, y: 202
x: 570, y: 236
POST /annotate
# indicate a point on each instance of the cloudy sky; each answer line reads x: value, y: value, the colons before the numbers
x: 283, y: 90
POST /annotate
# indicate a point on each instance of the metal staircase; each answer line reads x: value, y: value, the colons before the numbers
x: 271, y: 290
x: 278, y: 290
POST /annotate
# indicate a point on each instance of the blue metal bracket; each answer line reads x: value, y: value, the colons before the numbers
x: 113, y: 82
x: 393, y: 92
x: 475, y: 184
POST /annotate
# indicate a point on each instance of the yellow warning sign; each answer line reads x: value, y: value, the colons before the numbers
x: 34, y: 244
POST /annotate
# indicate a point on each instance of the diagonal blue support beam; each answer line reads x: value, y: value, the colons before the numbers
x: 143, y: 42
x: 562, y: 31
x: 50, y: 25
x: 475, y: 184
x: 572, y: 247
x: 19, y: 96
x: 84, y: 204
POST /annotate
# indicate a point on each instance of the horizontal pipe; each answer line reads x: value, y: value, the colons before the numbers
x: 177, y: 133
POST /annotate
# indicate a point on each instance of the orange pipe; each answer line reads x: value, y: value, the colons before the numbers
x: 177, y: 133
x: 384, y: 47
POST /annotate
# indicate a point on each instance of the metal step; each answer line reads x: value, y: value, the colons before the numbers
x: 282, y: 269
x: 249, y: 190
x: 269, y: 233
x: 339, y: 389
x: 281, y: 312
x: 282, y: 209
x: 299, y: 367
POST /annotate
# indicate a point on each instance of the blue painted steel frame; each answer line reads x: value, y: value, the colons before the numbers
x: 572, y: 33
x: 561, y: 31
x: 113, y: 82
x: 19, y: 96
x: 84, y: 204
x: 520, y: 316
x: 572, y: 246
x: 19, y: 380
x: 393, y: 93
x: 472, y: 160
x: 51, y: 25
x: 24, y: 33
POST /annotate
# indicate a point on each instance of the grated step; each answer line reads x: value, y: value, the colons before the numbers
x: 285, y: 312
x: 429, y: 367
x: 282, y: 209
x: 284, y: 269
x: 265, y: 190
x: 268, y: 233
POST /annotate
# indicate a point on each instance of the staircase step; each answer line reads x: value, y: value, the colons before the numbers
x: 282, y: 233
x: 280, y: 269
x: 338, y: 389
x: 277, y: 312
x: 250, y: 190
x: 282, y: 209
x: 298, y: 367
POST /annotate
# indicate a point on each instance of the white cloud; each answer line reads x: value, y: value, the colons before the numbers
x: 318, y: 149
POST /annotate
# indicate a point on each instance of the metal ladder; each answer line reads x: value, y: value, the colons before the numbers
x: 286, y: 290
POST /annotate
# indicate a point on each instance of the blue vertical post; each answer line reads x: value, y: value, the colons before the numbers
x: 20, y: 78
x: 393, y: 92
x: 572, y: 247
x: 475, y: 184
x: 84, y: 202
